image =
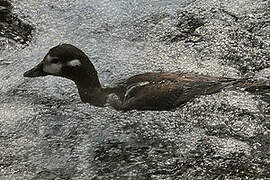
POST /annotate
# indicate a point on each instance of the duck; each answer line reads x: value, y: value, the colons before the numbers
x: 150, y: 91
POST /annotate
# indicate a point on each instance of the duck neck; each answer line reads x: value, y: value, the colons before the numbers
x: 90, y: 91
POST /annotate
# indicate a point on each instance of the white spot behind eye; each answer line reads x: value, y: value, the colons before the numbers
x: 74, y: 63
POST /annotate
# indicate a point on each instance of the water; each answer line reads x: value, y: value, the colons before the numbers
x: 47, y: 133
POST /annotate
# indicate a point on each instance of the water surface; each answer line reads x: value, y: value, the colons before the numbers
x: 47, y: 133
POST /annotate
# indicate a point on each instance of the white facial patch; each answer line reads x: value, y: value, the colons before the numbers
x: 74, y: 63
x: 52, y: 68
x: 50, y: 58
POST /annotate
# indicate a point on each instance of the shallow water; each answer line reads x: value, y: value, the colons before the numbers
x: 47, y: 133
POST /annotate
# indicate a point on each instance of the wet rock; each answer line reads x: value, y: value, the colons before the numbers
x: 237, y: 40
x: 163, y: 27
x: 12, y: 27
x: 47, y: 133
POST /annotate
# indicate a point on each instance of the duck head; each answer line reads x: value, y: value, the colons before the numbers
x: 66, y: 61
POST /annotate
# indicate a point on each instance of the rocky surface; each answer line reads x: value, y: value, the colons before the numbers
x: 12, y: 27
x: 14, y: 32
x: 47, y: 133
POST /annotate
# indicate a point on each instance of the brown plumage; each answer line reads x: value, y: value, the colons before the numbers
x: 148, y: 91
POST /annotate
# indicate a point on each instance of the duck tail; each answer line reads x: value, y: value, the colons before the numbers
x: 254, y: 86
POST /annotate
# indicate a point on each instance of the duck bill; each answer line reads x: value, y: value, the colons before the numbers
x: 37, y: 71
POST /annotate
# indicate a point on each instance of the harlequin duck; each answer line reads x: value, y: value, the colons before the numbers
x: 147, y: 91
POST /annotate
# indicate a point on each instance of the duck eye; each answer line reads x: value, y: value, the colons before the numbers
x: 55, y: 60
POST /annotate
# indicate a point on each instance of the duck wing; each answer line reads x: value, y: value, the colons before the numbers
x: 166, y: 91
